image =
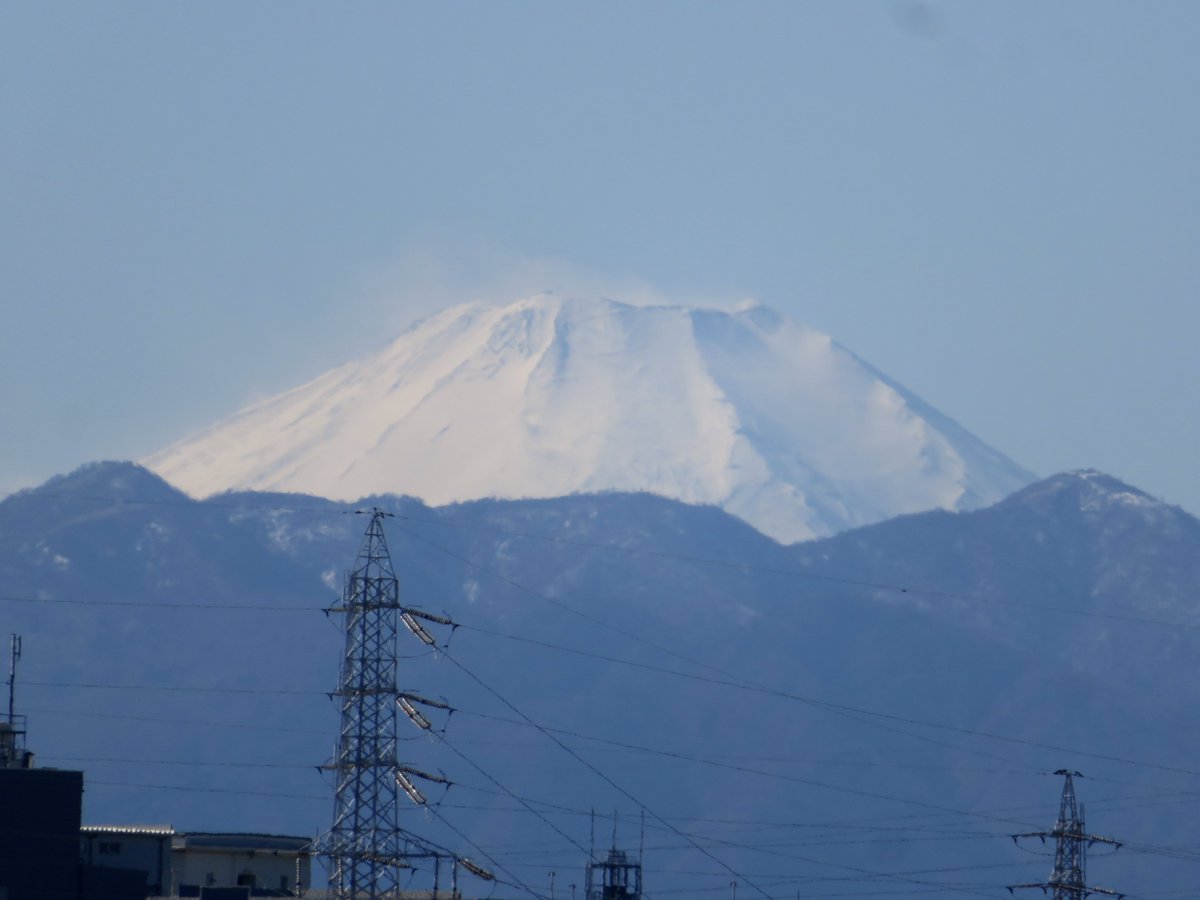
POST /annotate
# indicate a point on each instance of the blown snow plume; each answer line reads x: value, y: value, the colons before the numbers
x: 548, y: 397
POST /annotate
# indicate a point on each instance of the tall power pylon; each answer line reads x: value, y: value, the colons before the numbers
x: 1068, y: 880
x: 368, y: 849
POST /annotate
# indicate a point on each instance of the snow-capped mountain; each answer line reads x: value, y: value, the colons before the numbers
x: 548, y: 396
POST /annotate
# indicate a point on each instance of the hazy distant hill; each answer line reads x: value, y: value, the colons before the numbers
x: 877, y: 636
x: 550, y: 396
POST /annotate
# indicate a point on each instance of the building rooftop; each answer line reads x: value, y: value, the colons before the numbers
x: 156, y: 830
x: 203, y: 840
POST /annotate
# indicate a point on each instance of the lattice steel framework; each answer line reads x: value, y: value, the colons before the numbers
x: 1068, y: 881
x: 368, y: 850
x: 615, y: 877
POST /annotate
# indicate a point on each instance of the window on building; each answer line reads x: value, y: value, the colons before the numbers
x: 109, y: 847
x: 247, y: 879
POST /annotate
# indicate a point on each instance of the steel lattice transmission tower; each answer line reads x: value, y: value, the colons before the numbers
x: 1068, y: 881
x: 369, y: 851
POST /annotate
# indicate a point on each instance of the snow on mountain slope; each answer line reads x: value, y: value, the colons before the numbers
x: 550, y: 396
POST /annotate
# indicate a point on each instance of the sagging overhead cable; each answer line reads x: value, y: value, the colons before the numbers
x: 409, y: 788
x: 477, y: 870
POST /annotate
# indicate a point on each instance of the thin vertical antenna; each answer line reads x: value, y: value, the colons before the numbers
x: 614, y: 843
x: 14, y: 654
x: 592, y: 843
x: 642, y: 839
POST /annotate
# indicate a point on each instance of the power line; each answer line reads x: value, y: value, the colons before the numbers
x: 206, y: 723
x: 207, y: 790
x: 514, y: 882
x: 158, y: 604
x: 684, y: 835
x: 781, y: 776
x: 610, y: 782
x: 188, y: 763
x: 510, y: 794
x: 737, y: 685
x: 743, y: 684
x: 824, y: 704
x: 94, y: 685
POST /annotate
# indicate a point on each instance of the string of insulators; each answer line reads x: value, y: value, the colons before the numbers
x: 426, y: 701
x: 416, y: 628
x: 428, y: 776
x: 477, y: 870
x: 386, y: 860
x: 429, y: 617
x: 409, y: 788
x: 413, y: 713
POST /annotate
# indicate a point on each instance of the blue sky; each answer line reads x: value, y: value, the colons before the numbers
x: 998, y: 204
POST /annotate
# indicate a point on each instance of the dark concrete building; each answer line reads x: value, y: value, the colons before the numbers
x: 39, y: 834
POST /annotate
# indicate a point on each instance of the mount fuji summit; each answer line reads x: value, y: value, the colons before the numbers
x: 550, y: 396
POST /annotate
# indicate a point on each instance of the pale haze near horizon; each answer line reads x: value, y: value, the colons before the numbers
x: 994, y: 203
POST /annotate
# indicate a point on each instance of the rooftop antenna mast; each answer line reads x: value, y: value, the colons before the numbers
x: 1068, y: 880
x: 642, y: 838
x: 14, y: 654
x: 13, y: 754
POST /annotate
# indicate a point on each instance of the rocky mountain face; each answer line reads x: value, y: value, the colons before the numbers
x: 549, y: 396
x: 868, y: 713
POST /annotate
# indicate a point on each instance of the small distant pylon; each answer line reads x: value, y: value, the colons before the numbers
x: 615, y: 876
x: 1068, y: 881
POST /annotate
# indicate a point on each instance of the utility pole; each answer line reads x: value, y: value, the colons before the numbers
x: 1068, y: 880
x: 370, y: 854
